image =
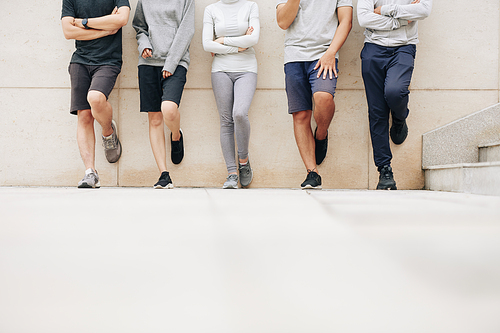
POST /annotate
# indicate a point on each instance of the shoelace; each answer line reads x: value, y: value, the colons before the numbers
x: 109, y: 143
x: 386, y: 174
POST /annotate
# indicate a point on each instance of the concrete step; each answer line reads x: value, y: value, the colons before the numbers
x: 489, y: 152
x: 476, y: 178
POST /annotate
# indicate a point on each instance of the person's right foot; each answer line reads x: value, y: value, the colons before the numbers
x: 164, y: 182
x: 90, y: 180
x: 231, y: 182
x: 313, y: 181
x: 386, y: 178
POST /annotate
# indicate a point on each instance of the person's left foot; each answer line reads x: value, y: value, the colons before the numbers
x: 321, y: 148
x: 177, y: 149
x: 164, y: 181
x: 399, y: 131
x: 112, y: 146
x: 246, y: 174
x: 313, y: 181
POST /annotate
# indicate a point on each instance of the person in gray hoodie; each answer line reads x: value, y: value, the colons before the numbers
x: 387, y: 59
x: 164, y: 32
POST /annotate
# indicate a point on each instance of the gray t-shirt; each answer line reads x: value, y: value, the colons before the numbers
x: 312, y: 31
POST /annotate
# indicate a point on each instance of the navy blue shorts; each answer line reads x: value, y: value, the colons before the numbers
x: 85, y: 78
x: 154, y: 89
x: 302, y: 82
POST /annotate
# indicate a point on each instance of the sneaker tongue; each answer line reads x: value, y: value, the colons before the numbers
x: 89, y: 171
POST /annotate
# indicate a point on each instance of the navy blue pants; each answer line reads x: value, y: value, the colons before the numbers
x: 387, y: 74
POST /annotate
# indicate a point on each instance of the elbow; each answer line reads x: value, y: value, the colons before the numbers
x: 122, y: 22
x: 283, y: 25
x: 67, y: 35
x: 362, y: 22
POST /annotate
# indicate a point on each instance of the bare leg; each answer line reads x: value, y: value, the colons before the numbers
x: 86, y: 138
x: 101, y: 111
x: 172, y: 118
x: 157, y: 139
x: 304, y: 138
x: 324, y: 109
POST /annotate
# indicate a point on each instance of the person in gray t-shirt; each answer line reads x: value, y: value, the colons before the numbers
x: 315, y: 32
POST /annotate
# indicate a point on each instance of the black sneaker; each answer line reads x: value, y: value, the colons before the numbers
x: 313, y: 181
x: 321, y: 148
x: 399, y: 131
x: 164, y: 181
x: 177, y: 149
x: 386, y: 179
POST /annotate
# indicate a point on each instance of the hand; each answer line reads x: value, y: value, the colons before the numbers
x: 378, y: 10
x: 240, y: 49
x: 147, y: 53
x: 220, y: 40
x: 115, y: 11
x: 326, y: 65
x: 166, y: 74
x: 250, y: 30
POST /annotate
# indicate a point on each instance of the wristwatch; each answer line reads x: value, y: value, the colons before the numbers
x: 85, y: 21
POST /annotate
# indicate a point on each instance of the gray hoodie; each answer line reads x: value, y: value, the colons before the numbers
x: 166, y: 27
x: 392, y: 27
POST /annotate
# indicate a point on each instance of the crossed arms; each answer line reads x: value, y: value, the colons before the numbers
x: 101, y: 26
x: 391, y: 17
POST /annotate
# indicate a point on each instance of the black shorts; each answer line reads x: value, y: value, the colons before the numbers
x: 154, y: 89
x: 85, y: 78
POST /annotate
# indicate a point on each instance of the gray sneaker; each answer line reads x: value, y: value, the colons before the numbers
x: 231, y: 181
x: 112, y: 146
x: 90, y: 180
x: 246, y: 174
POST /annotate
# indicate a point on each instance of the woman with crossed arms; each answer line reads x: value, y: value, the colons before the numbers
x: 230, y: 29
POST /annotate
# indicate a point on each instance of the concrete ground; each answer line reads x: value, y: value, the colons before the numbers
x: 259, y: 260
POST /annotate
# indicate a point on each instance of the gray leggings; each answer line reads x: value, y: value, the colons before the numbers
x: 233, y: 95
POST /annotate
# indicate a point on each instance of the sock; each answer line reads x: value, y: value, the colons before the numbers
x: 88, y: 171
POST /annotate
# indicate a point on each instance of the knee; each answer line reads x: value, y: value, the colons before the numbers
x: 85, y: 118
x: 155, y: 119
x: 323, y: 101
x: 395, y: 94
x: 170, y: 111
x: 96, y: 99
x: 302, y: 118
x: 240, y: 117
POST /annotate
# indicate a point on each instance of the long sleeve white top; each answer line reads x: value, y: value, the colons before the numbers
x: 392, y: 27
x: 231, y: 19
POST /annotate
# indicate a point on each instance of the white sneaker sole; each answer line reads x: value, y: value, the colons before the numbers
x: 169, y: 186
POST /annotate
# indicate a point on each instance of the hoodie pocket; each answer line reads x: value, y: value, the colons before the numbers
x: 161, y: 39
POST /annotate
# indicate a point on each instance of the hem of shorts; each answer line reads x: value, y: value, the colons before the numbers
x: 295, y: 111
x: 75, y: 112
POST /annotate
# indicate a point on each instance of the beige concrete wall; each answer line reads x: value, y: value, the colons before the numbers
x: 457, y: 72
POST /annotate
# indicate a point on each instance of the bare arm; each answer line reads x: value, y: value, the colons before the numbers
x: 286, y: 13
x: 117, y: 19
x: 71, y: 31
x: 326, y: 63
